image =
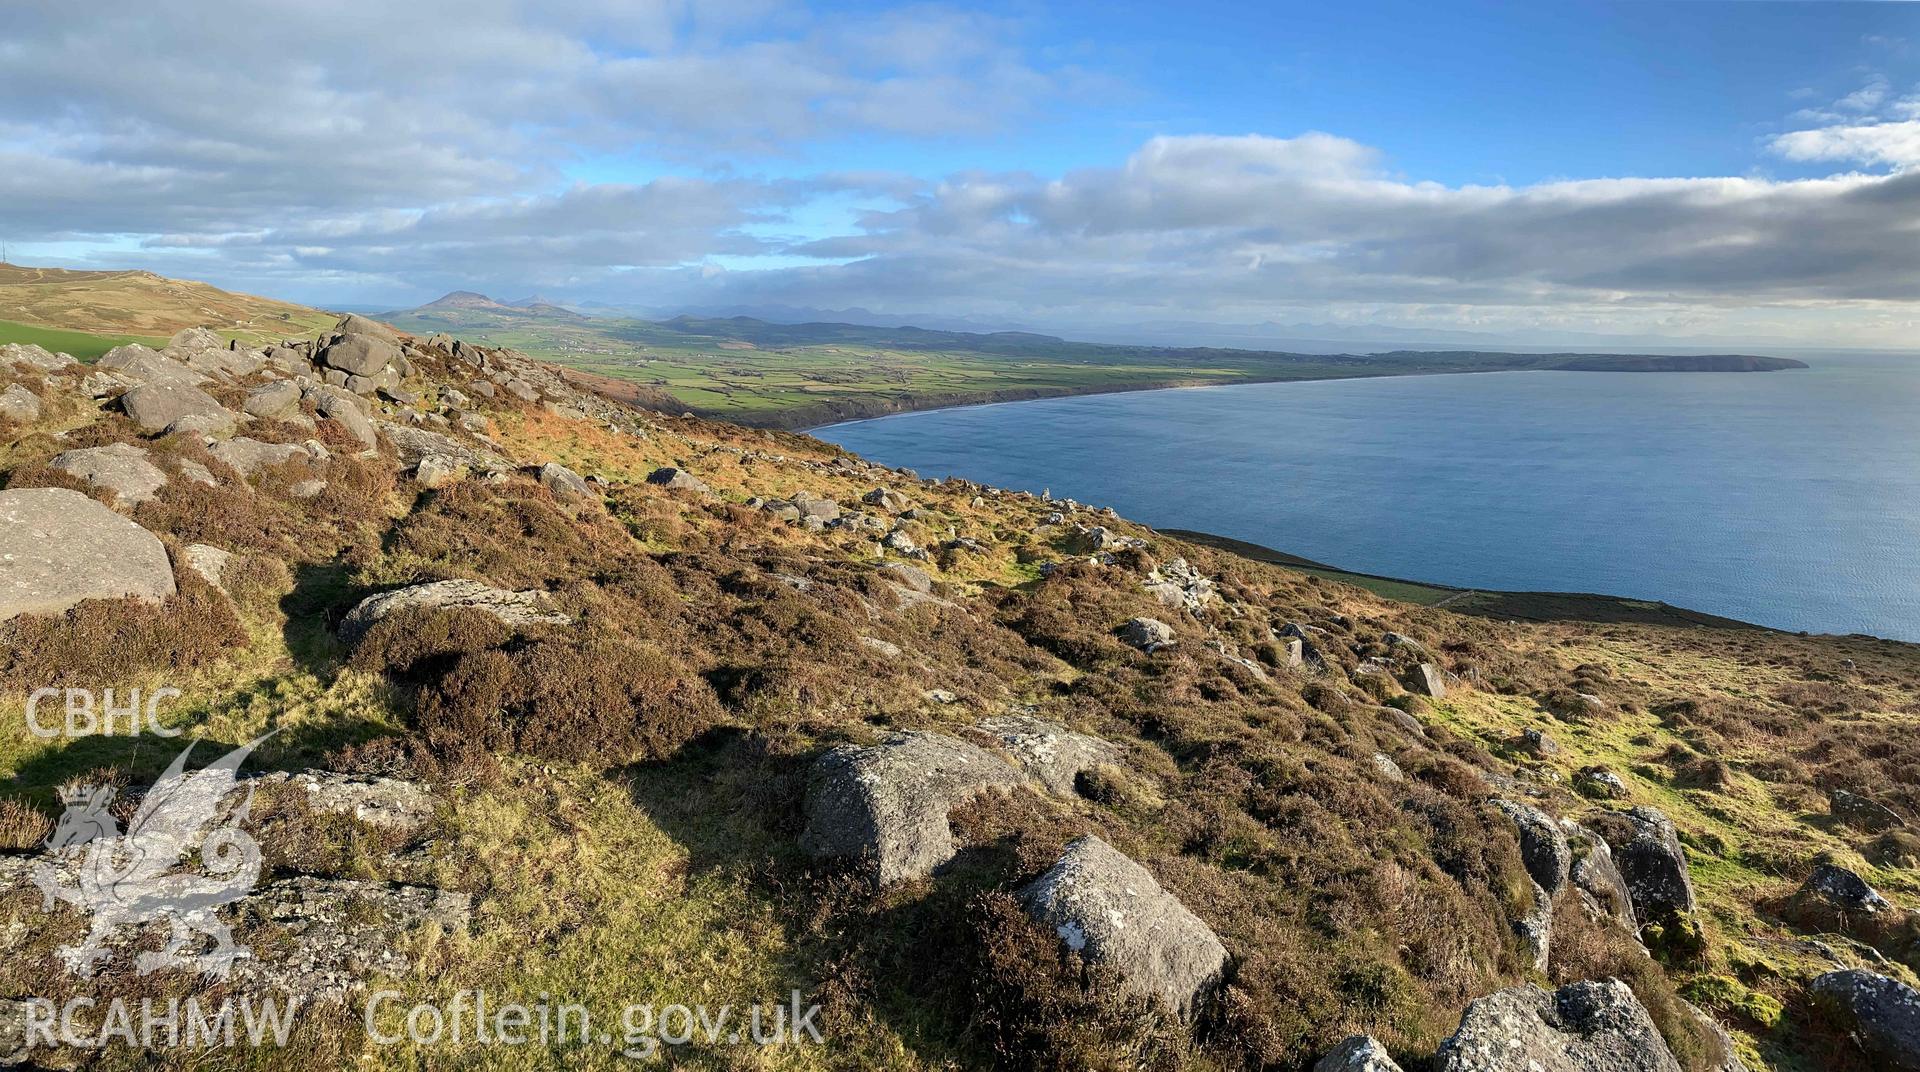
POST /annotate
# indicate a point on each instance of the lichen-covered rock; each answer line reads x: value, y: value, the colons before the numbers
x: 1361, y: 1053
x: 1594, y: 1026
x: 1863, y: 812
x: 515, y: 609
x: 1842, y: 889
x: 678, y: 479
x: 885, y: 806
x: 1048, y: 752
x: 565, y: 484
x: 1882, y: 1014
x: 59, y: 548
x: 1646, y: 849
x: 122, y: 468
x: 1597, y: 781
x: 1543, y: 845
x: 392, y: 803
x: 333, y: 936
x: 157, y: 406
x: 1425, y: 679
x: 1596, y: 879
x: 1113, y: 912
x: 250, y: 456
x: 1147, y: 634
x: 208, y: 561
x: 19, y: 404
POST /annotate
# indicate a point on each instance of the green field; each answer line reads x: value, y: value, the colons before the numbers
x: 81, y: 344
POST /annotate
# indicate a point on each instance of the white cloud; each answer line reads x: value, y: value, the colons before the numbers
x: 1889, y: 144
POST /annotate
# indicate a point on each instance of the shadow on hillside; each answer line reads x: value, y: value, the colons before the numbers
x: 320, y: 597
x: 735, y: 804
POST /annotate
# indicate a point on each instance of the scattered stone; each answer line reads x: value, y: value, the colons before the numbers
x: 1863, y: 812
x: 19, y: 404
x: 307, y: 489
x: 883, y: 647
x: 1147, y: 634
x: 1048, y: 752
x: 515, y: 609
x: 121, y: 468
x: 1425, y: 679
x: 249, y: 456
x: 1361, y: 1053
x: 886, y: 806
x: 1112, y: 912
x: 912, y: 577
x: 155, y: 406
x: 208, y: 561
x: 1538, y: 744
x: 1884, y: 1014
x: 816, y: 507
x: 1844, y: 890
x: 1646, y: 849
x: 669, y: 477
x: 1600, y: 782
x: 887, y: 499
x: 898, y: 540
x: 1594, y: 1026
x: 59, y: 548
x: 565, y: 484
x: 438, y: 471
x: 15, y: 354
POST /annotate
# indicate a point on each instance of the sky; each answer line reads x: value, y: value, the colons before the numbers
x: 1531, y: 171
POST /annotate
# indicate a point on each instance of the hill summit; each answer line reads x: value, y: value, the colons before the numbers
x: 541, y: 695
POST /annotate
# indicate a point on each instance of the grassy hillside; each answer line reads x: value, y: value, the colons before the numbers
x: 144, y: 305
x: 82, y: 344
x: 622, y: 795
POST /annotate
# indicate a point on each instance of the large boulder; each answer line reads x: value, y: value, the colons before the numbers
x: 1594, y: 1026
x: 515, y: 609
x: 1113, y: 912
x: 59, y: 548
x: 815, y: 507
x: 1597, y: 879
x: 1425, y: 679
x: 1646, y: 849
x: 1882, y: 1014
x: 1361, y: 1053
x: 361, y: 355
x: 158, y: 405
x: 886, y: 806
x: 355, y: 324
x: 1863, y: 812
x: 1048, y: 752
x: 670, y: 477
x: 1543, y: 845
x: 121, y: 468
x: 343, y: 408
x: 195, y: 340
x: 16, y: 355
x: 276, y: 399
x: 415, y: 445
x: 136, y: 364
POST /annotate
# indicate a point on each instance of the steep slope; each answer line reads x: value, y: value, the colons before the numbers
x: 673, y: 711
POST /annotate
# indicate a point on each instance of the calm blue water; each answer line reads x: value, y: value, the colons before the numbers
x: 1786, y: 498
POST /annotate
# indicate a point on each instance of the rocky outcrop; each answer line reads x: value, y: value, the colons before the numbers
x: 885, y: 807
x: 59, y: 548
x: 1361, y: 1053
x: 1425, y: 679
x: 1597, y: 880
x: 337, y: 935
x: 249, y: 456
x: 1048, y: 752
x: 1646, y: 849
x: 514, y: 609
x: 1596, y: 1026
x: 343, y: 408
x: 1882, y: 1014
x: 1112, y: 912
x: 390, y: 803
x: 121, y: 468
x: 1543, y: 845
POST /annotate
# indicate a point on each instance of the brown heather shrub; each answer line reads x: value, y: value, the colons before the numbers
x: 115, y: 639
x: 513, y: 535
x: 22, y: 826
x: 578, y: 696
x: 416, y: 646
x: 256, y: 582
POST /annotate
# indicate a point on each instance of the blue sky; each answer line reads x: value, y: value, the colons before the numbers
x: 1728, y: 170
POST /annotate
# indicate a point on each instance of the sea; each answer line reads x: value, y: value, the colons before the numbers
x: 1789, y: 499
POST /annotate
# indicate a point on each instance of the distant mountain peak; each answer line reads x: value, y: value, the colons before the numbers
x: 464, y: 299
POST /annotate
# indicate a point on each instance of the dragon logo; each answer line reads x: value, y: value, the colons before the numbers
x: 142, y: 876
